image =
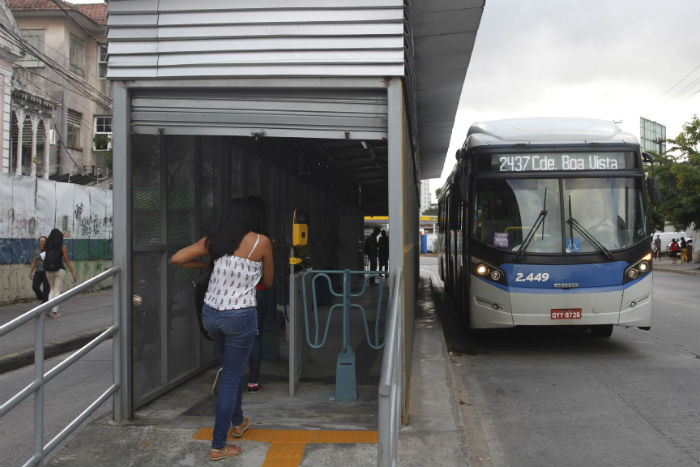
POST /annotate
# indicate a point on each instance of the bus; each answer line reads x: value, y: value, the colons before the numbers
x: 543, y: 222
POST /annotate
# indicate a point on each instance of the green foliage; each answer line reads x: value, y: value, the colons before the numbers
x: 678, y: 172
x: 430, y: 212
x: 104, y: 143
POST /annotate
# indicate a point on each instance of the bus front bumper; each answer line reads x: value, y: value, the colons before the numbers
x: 494, y: 307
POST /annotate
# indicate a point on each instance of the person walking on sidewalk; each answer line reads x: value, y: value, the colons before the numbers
x: 242, y: 259
x: 55, y: 262
x: 40, y: 284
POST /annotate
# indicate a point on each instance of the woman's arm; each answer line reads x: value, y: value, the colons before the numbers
x: 268, y: 276
x: 188, y: 257
x: 31, y: 268
x: 68, y: 263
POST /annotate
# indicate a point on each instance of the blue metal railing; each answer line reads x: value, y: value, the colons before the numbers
x: 36, y: 387
x: 346, y: 387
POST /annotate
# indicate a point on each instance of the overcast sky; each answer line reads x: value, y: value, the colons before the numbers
x: 610, y: 59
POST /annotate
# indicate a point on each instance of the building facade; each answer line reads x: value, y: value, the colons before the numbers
x: 61, y: 100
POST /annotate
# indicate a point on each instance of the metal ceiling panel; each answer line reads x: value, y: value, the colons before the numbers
x: 443, y: 33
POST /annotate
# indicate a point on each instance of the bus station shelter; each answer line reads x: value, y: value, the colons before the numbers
x: 335, y: 107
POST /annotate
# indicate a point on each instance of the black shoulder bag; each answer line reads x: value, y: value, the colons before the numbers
x: 200, y: 290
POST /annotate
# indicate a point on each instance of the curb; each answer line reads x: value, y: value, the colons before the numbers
x: 689, y: 272
x: 26, y: 357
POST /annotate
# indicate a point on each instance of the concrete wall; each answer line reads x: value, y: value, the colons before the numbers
x: 30, y: 207
x: 15, y: 284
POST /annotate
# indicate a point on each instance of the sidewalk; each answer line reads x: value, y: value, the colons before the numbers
x: 666, y: 265
x: 82, y: 318
x: 307, y: 430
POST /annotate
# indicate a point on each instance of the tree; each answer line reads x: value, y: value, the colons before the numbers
x: 678, y: 172
x: 438, y: 192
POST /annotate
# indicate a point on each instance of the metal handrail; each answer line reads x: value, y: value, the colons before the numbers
x: 36, y: 387
x: 346, y: 305
x: 391, y: 380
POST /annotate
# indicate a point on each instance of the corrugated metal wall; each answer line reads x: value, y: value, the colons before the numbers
x: 233, y: 38
x: 336, y: 114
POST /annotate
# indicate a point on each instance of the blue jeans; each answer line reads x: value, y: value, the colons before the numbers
x: 233, y: 332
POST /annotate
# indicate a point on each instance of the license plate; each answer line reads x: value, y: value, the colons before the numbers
x: 566, y: 313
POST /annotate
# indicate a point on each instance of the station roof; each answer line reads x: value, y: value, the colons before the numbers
x: 444, y: 32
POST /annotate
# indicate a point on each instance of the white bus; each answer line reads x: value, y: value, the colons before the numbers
x: 544, y: 222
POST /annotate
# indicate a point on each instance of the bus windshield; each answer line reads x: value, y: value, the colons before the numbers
x: 564, y: 216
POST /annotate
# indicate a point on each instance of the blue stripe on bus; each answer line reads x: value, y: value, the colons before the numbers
x: 591, y: 278
x: 532, y: 276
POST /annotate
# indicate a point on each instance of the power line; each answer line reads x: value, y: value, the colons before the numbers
x: 679, y: 81
x: 76, y: 22
x: 683, y: 91
x: 92, y: 92
x: 80, y: 168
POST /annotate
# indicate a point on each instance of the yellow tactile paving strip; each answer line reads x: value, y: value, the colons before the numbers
x: 287, y: 446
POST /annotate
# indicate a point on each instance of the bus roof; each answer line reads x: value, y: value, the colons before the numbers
x: 546, y: 131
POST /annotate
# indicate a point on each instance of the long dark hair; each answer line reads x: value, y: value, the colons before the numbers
x: 55, y: 240
x: 258, y: 214
x: 234, y: 225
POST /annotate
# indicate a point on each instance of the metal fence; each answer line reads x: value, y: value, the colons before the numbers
x: 36, y: 387
x: 391, y: 380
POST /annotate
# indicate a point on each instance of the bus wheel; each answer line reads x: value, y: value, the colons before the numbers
x: 602, y: 330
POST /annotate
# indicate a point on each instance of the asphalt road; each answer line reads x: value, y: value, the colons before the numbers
x: 65, y: 397
x: 558, y: 397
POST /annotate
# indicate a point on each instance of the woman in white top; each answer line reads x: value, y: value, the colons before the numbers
x: 242, y: 259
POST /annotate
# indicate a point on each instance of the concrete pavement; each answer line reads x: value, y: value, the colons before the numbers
x: 82, y: 318
x: 310, y: 429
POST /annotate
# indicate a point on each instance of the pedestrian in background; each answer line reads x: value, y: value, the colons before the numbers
x: 55, y: 262
x: 372, y: 248
x: 383, y: 251
x: 242, y: 258
x: 258, y: 223
x: 657, y: 247
x: 684, y: 250
x: 675, y: 249
x: 40, y: 284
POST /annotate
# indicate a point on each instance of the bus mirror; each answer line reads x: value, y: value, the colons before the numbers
x: 654, y: 191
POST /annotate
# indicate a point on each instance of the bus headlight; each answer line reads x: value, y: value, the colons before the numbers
x: 638, y: 269
x: 487, y: 271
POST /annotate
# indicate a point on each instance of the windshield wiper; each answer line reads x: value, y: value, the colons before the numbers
x: 539, y: 221
x: 574, y: 224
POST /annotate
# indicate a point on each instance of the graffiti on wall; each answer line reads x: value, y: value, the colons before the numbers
x: 31, y: 207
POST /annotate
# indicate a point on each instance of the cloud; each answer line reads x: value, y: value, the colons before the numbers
x: 599, y: 59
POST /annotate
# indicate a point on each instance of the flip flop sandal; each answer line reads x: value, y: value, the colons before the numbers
x: 240, y: 429
x: 230, y: 450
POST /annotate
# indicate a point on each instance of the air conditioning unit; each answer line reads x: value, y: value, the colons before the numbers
x: 52, y: 136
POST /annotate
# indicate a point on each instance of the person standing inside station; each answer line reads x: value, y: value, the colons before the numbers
x: 258, y: 221
x: 383, y: 251
x: 40, y: 284
x: 55, y: 262
x: 242, y: 258
x: 372, y: 249
x: 657, y: 247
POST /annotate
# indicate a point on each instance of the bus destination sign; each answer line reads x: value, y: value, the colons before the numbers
x: 559, y: 161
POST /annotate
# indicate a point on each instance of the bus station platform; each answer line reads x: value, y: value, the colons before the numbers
x: 308, y: 429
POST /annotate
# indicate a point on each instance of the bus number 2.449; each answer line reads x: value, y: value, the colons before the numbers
x: 532, y: 277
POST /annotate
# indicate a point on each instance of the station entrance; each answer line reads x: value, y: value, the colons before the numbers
x: 180, y: 184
